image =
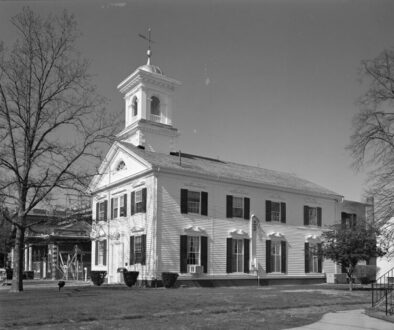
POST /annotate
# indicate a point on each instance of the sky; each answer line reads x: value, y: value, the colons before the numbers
x: 272, y: 84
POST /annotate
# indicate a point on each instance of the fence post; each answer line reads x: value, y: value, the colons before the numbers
x: 372, y: 293
x: 385, y: 292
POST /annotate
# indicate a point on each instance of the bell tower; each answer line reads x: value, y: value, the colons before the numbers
x: 148, y: 96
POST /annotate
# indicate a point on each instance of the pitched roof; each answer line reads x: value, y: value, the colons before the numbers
x: 228, y: 170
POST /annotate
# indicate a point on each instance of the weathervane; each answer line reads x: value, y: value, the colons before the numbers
x: 148, y: 53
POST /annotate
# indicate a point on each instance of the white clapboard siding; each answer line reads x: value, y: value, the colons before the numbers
x: 172, y: 223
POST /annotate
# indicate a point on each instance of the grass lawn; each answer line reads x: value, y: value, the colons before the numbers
x: 119, y: 307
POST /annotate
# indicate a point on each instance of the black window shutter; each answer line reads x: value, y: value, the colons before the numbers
x: 268, y: 256
x: 246, y: 208
x: 105, y: 210
x: 204, y: 203
x: 183, y: 200
x: 229, y: 256
x: 204, y: 253
x: 112, y: 208
x: 105, y: 252
x: 125, y: 205
x: 132, y: 250
x: 246, y: 255
x: 283, y: 212
x: 144, y: 200
x: 97, y: 211
x: 143, y: 247
x: 283, y: 255
x: 320, y: 258
x: 319, y: 213
x: 267, y: 210
x: 96, y: 254
x: 183, y: 254
x: 306, y: 257
x: 306, y: 215
x: 132, y: 203
x: 229, y: 206
x: 354, y: 222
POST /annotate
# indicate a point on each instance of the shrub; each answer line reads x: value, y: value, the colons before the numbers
x: 169, y: 279
x: 98, y: 276
x: 28, y: 275
x: 130, y: 277
x: 365, y: 273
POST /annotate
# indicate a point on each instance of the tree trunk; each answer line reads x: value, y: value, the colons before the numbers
x: 350, y: 283
x: 17, y: 277
x: 350, y: 277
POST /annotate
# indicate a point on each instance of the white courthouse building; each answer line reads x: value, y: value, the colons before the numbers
x: 158, y: 210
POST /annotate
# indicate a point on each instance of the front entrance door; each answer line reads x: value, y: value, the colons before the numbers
x: 117, y: 258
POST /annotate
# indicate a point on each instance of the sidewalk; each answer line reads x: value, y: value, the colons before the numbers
x: 348, y: 320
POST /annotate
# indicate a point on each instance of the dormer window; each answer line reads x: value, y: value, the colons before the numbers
x: 155, y: 109
x: 121, y: 165
x: 134, y: 106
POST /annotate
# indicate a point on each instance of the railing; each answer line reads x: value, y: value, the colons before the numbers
x: 155, y: 118
x: 382, y: 291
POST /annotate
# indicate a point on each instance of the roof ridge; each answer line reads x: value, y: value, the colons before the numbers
x: 229, y: 169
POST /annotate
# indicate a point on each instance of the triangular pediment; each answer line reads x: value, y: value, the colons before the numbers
x: 120, y: 164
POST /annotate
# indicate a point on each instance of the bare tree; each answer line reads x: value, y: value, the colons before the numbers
x: 372, y: 143
x: 53, y: 124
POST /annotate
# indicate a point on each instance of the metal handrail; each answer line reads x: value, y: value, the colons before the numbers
x: 382, y: 289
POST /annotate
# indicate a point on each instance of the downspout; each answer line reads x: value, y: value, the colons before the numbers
x: 108, y: 231
x: 154, y: 225
x: 253, y: 246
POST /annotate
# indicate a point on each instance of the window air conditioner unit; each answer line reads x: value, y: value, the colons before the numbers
x: 195, y: 269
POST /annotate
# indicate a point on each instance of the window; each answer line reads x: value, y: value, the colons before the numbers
x: 134, y: 106
x: 275, y: 211
x: 238, y: 207
x: 115, y: 202
x: 313, y: 262
x: 101, y: 252
x: 138, y: 249
x: 238, y: 256
x: 155, y: 106
x: 121, y: 165
x: 348, y: 220
x: 118, y: 206
x: 194, y: 202
x: 193, y: 250
x: 276, y: 256
x: 138, y: 201
x: 122, y: 206
x: 312, y: 216
x: 101, y: 211
x: 313, y: 258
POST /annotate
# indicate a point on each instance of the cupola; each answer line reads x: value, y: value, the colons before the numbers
x: 148, y: 96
